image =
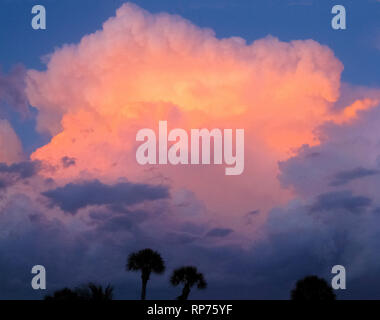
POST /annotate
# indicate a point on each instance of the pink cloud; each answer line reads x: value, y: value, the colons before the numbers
x: 141, y: 68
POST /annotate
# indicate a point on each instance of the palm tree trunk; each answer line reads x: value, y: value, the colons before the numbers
x: 185, y: 292
x: 143, y: 290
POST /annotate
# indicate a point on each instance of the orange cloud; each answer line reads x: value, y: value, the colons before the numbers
x: 141, y: 68
x: 351, y: 112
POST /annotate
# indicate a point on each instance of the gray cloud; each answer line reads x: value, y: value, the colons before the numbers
x: 219, y: 232
x: 12, y: 91
x: 344, y: 177
x: 298, y: 241
x: 75, y: 196
x: 341, y: 200
x: 348, y: 153
x: 68, y: 162
x: 24, y: 169
x: 10, y: 174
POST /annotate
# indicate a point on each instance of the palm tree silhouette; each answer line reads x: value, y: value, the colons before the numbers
x: 188, y: 276
x: 146, y: 261
x: 312, y: 288
x: 88, y: 292
x: 97, y: 293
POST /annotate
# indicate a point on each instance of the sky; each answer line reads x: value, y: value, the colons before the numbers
x: 74, y: 199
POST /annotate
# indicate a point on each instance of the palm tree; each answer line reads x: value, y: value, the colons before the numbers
x: 97, y: 293
x: 188, y: 276
x: 312, y: 288
x: 146, y: 261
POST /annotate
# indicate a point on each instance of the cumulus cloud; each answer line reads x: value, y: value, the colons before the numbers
x: 140, y: 68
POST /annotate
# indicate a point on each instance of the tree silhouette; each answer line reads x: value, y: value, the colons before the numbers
x: 97, y: 293
x: 188, y: 276
x: 312, y: 288
x: 146, y: 261
x: 89, y: 292
x: 64, y: 294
